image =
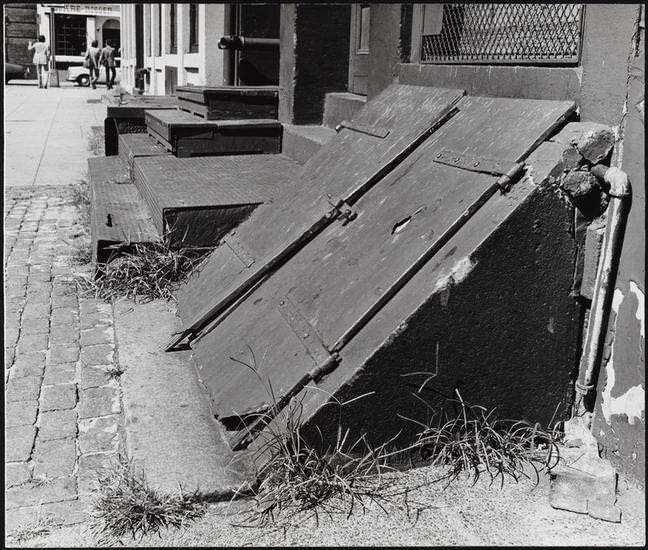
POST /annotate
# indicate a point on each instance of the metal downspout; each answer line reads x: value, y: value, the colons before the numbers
x: 620, y: 193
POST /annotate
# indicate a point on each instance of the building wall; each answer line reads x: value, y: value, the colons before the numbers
x: 619, y: 419
x: 96, y: 16
x: 203, y: 68
x: 20, y: 28
x: 608, y: 86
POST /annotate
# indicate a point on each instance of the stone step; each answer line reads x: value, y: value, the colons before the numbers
x: 339, y: 106
x: 195, y: 201
x: 187, y: 135
x: 132, y: 146
x: 302, y: 142
x: 119, y: 218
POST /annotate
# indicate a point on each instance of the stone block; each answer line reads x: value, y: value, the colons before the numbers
x: 23, y: 389
x: 57, y: 425
x: 98, y: 354
x: 60, y: 353
x: 69, y: 512
x: 92, y: 467
x: 63, y: 335
x: 16, y: 473
x: 28, y: 343
x: 582, y: 481
x: 36, y: 310
x: 35, y: 326
x: 579, y: 183
x: 20, y: 518
x: 28, y: 364
x: 99, y: 402
x: 54, y: 458
x: 97, y: 335
x: 99, y: 434
x: 94, y: 377
x: 33, y: 493
x: 63, y: 373
x: 10, y: 354
x: 58, y: 397
x: 20, y: 413
x: 19, y: 442
x: 596, y: 143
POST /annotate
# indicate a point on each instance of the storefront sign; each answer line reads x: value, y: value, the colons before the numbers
x: 90, y: 9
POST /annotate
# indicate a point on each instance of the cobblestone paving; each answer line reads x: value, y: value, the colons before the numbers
x: 62, y: 409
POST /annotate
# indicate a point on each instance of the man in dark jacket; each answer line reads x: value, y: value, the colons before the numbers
x: 108, y: 61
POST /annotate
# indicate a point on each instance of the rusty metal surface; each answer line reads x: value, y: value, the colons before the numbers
x: 347, y: 269
x: 342, y: 168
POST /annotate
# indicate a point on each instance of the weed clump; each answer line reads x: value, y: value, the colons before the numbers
x: 299, y: 478
x: 146, y: 272
x: 126, y: 505
x: 474, y: 441
x: 95, y: 140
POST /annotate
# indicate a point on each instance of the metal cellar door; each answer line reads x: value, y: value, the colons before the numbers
x: 384, y: 132
x: 288, y: 329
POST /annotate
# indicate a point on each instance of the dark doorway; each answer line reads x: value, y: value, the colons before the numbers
x: 170, y: 79
x: 111, y: 34
x: 255, y: 67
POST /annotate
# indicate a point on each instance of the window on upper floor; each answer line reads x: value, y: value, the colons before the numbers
x: 173, y: 42
x: 193, y: 28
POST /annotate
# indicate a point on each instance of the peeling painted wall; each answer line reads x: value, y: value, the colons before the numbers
x: 619, y: 421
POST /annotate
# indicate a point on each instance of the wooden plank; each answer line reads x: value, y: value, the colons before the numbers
x: 334, y: 281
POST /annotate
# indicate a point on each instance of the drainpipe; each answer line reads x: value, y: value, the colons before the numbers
x: 620, y: 192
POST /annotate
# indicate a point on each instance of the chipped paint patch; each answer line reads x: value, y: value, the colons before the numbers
x: 631, y: 403
x: 458, y: 273
x: 640, y: 313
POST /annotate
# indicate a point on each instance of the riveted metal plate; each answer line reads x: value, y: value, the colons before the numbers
x: 239, y: 250
x: 304, y: 331
x: 472, y: 163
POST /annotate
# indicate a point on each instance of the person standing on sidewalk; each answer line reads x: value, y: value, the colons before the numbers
x: 92, y: 55
x: 108, y: 61
x: 41, y: 60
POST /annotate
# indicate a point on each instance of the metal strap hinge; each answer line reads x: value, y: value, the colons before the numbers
x: 306, y: 333
x: 342, y: 208
x: 374, y: 131
x: 239, y: 250
x: 506, y: 169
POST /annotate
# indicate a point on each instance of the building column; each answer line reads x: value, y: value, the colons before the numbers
x: 301, y: 89
x: 91, y: 29
x: 211, y: 26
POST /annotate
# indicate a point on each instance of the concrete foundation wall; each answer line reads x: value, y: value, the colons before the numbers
x: 314, y: 54
x: 503, y: 330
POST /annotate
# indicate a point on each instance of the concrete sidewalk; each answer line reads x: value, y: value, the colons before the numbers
x: 45, y: 133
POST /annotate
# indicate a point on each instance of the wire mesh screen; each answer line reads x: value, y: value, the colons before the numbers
x: 505, y: 33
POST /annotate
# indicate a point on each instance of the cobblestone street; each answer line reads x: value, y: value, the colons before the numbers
x: 62, y: 407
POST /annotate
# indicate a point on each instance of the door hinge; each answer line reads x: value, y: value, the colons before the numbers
x: 374, y: 131
x: 506, y: 169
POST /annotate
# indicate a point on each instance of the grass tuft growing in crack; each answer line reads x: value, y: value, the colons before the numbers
x: 95, y: 140
x: 298, y: 480
x: 126, y: 505
x: 41, y: 527
x: 473, y: 441
x: 115, y: 372
x: 146, y: 272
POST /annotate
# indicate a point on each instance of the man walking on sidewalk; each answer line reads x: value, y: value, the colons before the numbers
x: 108, y: 61
x: 92, y: 57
